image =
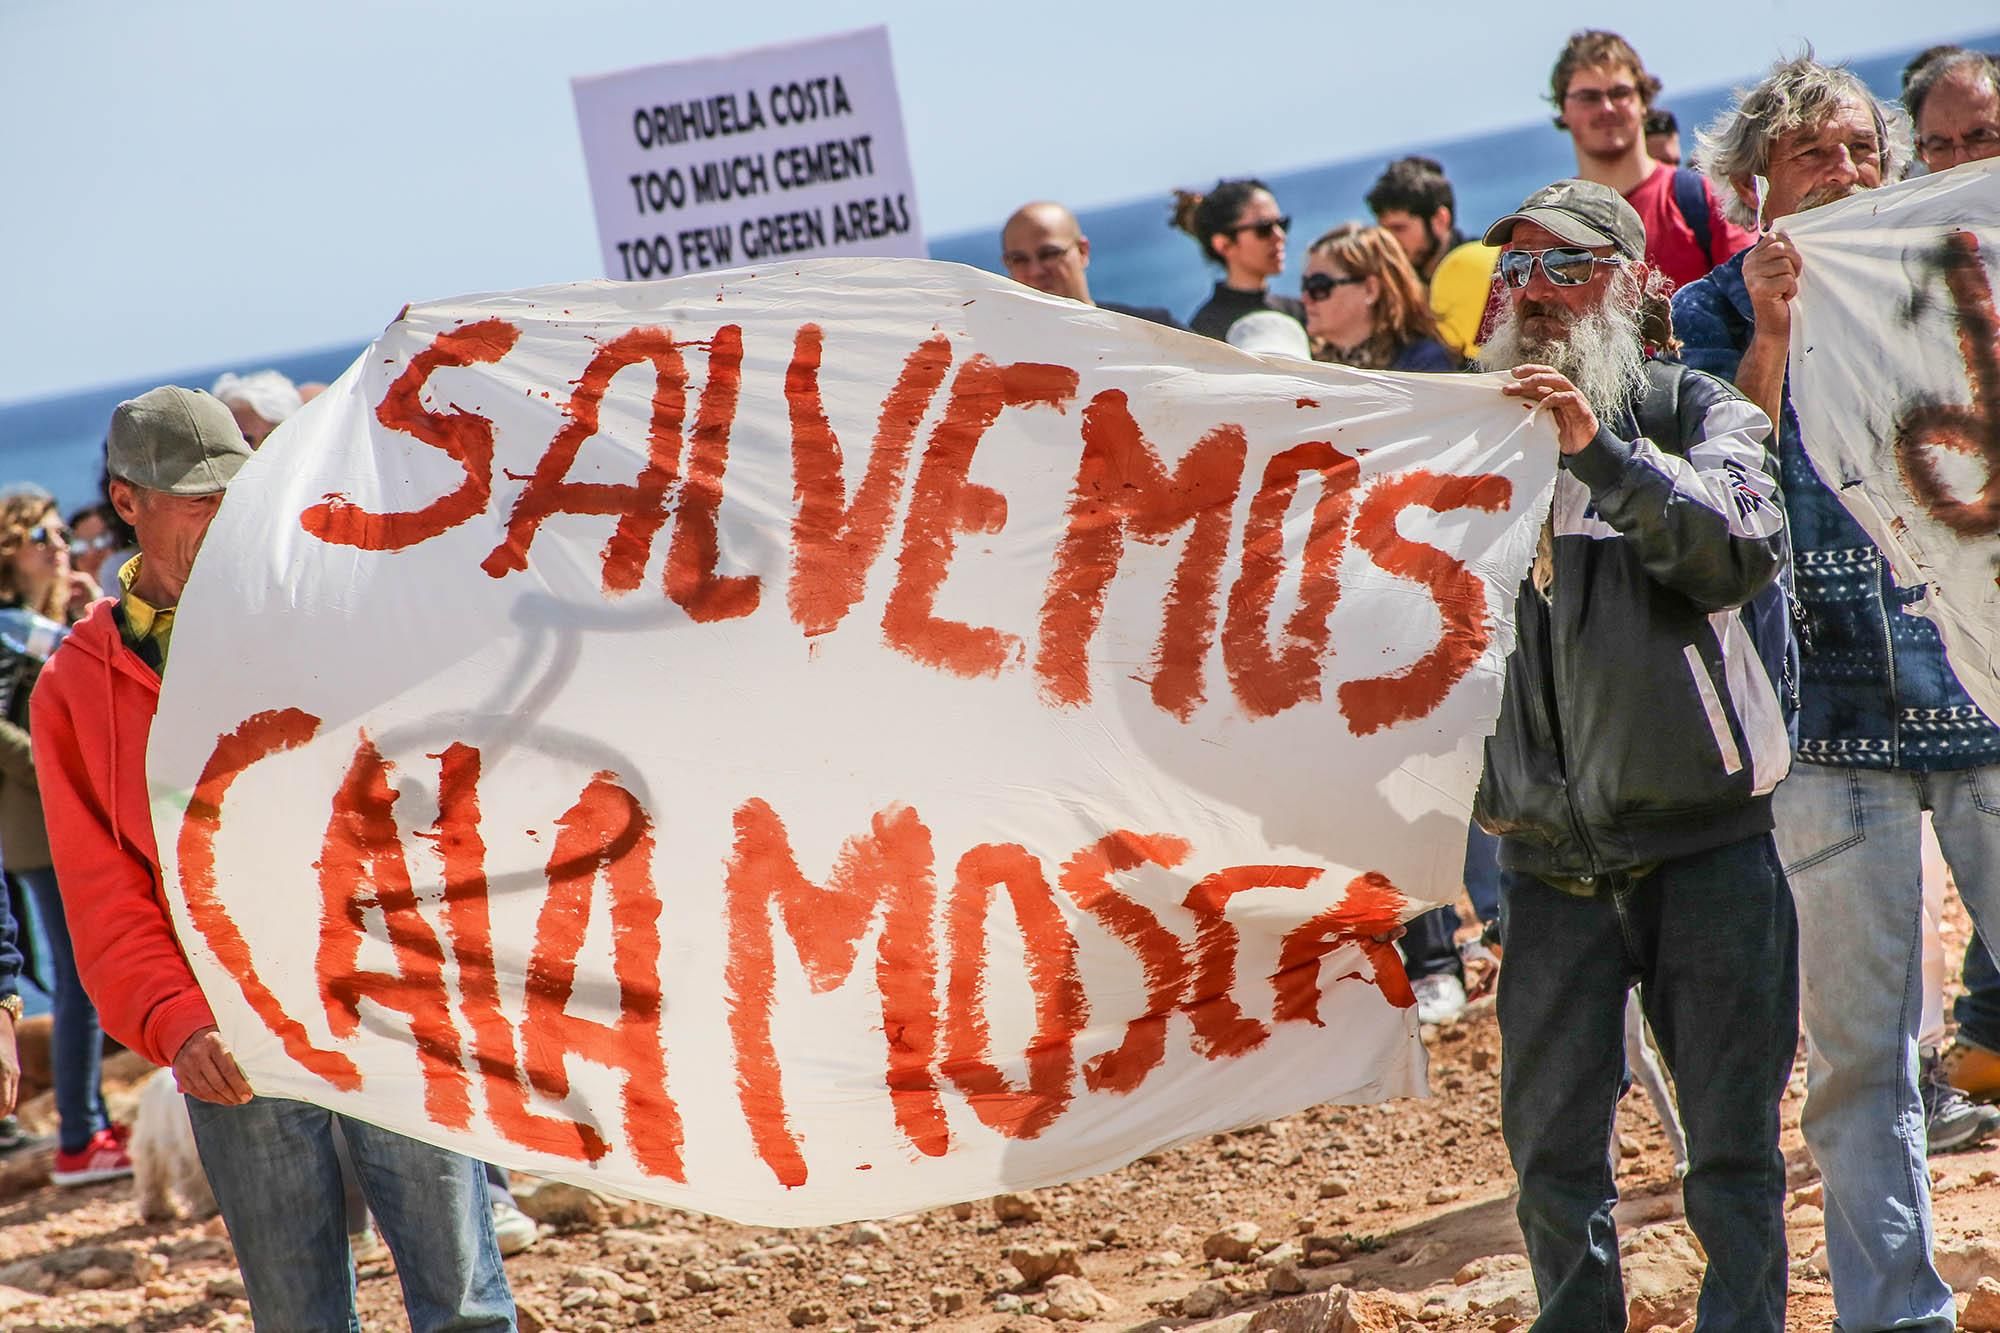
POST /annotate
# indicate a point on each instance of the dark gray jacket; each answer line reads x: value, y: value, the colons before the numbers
x: 1645, y: 712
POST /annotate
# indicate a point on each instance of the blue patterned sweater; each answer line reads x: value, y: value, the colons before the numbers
x: 1876, y: 688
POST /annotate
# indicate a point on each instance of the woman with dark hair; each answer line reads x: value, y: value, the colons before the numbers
x: 40, y: 598
x: 1237, y: 225
x: 1365, y: 307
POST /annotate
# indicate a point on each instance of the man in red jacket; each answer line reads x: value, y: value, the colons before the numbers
x: 171, y: 453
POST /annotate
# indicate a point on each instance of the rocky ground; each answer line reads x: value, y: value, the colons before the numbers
x: 1376, y: 1219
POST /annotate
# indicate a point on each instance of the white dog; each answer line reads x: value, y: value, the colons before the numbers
x: 164, y: 1160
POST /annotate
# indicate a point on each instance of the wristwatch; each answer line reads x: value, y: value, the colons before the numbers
x: 10, y: 1005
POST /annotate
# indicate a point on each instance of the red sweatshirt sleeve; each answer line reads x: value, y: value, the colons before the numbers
x: 126, y: 952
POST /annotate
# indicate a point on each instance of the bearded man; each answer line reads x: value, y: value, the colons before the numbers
x: 1630, y: 777
x: 1886, y: 733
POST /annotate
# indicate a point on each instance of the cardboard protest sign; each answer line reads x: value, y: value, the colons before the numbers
x: 782, y: 152
x: 828, y: 740
x: 1895, y: 367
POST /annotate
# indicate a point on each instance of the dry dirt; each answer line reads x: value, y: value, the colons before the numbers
x: 1378, y: 1209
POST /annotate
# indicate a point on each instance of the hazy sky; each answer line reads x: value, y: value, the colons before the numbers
x: 191, y: 181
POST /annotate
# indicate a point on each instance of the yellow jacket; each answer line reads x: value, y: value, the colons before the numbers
x: 1459, y: 289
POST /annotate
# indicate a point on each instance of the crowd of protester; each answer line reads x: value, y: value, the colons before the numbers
x: 1645, y: 304
x: 1647, y: 300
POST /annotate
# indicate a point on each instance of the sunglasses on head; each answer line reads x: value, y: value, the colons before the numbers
x: 1319, y: 286
x: 1565, y: 265
x: 1265, y: 229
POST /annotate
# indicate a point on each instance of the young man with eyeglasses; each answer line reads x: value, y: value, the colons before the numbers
x: 1886, y: 732
x: 1602, y: 94
x: 1043, y: 247
x: 1629, y: 779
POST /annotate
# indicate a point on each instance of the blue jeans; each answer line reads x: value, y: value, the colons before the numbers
x: 1482, y: 873
x: 1850, y: 842
x: 1430, y: 945
x: 77, y: 1049
x: 1430, y: 941
x: 1713, y: 943
x: 272, y: 1165
x: 1978, y: 1010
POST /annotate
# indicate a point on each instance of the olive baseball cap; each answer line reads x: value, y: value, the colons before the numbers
x: 1580, y: 213
x: 180, y: 441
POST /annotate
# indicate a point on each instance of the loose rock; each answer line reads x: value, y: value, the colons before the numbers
x: 1074, y: 1298
x: 1204, y: 1300
x: 562, y: 1205
x: 1982, y: 1312
x: 1234, y: 1243
x: 1038, y: 1263
x: 1961, y: 1263
x: 1016, y: 1208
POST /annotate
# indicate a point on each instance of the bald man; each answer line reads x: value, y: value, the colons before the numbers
x: 1043, y: 248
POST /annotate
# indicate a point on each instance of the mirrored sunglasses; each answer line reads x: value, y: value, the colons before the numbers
x: 1565, y: 265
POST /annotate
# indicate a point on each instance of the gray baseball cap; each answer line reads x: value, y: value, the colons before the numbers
x: 181, y: 441
x: 1580, y: 213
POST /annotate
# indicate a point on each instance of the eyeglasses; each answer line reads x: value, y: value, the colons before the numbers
x: 48, y: 534
x: 1980, y: 143
x: 1565, y: 265
x: 1265, y: 229
x: 1319, y: 286
x: 1618, y: 94
x: 1048, y: 254
x: 103, y: 541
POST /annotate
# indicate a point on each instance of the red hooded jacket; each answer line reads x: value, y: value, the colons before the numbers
x: 91, y: 715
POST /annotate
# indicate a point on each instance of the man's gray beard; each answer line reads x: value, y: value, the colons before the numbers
x: 1600, y: 352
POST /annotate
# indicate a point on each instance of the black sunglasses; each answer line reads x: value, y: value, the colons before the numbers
x: 48, y: 534
x: 1263, y: 229
x: 1565, y: 265
x: 1319, y: 286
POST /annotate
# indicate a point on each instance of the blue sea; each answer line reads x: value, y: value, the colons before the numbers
x: 1136, y: 258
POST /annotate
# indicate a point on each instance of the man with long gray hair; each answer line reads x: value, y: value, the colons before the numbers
x: 1886, y: 733
x: 1629, y: 780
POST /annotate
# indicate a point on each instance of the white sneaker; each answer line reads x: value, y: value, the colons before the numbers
x: 513, y: 1229
x: 1440, y: 998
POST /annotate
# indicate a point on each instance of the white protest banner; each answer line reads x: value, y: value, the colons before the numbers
x: 781, y: 152
x: 1895, y: 369
x: 835, y: 739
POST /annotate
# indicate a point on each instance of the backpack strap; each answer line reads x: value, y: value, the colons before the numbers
x: 1659, y: 407
x: 1691, y: 197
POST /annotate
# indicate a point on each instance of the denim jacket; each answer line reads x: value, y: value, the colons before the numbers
x: 1877, y: 691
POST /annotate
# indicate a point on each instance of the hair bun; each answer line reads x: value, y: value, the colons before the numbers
x: 1186, y: 204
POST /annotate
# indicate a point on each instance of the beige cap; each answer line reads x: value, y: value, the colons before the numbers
x: 180, y: 441
x: 1580, y: 212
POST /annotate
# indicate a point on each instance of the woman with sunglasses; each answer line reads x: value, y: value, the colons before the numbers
x: 40, y: 597
x: 1365, y: 306
x: 1237, y: 225
x: 96, y: 534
